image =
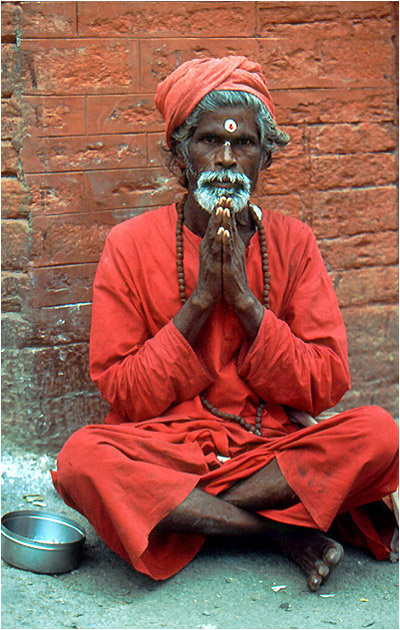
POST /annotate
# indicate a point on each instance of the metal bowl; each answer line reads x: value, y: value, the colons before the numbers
x: 41, y: 542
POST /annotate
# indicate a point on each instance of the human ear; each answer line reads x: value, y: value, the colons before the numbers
x: 266, y: 161
x: 179, y: 158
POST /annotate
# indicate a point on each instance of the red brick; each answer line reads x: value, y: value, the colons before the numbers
x: 340, y: 54
x: 291, y: 205
x: 67, y: 239
x: 355, y: 138
x: 55, y: 116
x: 386, y: 396
x: 74, y: 153
x: 63, y: 369
x: 371, y: 328
x: 360, y: 250
x: 159, y: 57
x: 343, y: 171
x: 65, y: 414
x: 62, y: 324
x: 43, y: 422
x: 284, y: 176
x: 48, y: 19
x: 63, y: 284
x: 170, y: 19
x: 374, y: 366
x: 155, y: 153
x: 11, y: 118
x: 9, y: 158
x: 15, y: 290
x: 366, y: 286
x: 122, y: 114
x: 335, y: 105
x: 15, y: 198
x: 372, y: 393
x: 340, y: 212
x: 271, y: 13
x: 15, y: 239
x: 131, y: 188
x: 10, y: 20
x: 10, y: 69
x: 66, y: 66
x: 56, y: 193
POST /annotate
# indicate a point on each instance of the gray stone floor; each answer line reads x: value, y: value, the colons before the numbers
x: 226, y: 586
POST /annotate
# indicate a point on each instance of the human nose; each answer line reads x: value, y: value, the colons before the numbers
x: 225, y: 156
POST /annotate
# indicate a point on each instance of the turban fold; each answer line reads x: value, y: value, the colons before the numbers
x: 183, y: 89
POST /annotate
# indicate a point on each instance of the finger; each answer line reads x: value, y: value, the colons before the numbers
x: 220, y: 234
x: 223, y: 236
x: 226, y: 241
x: 232, y: 223
x: 221, y: 202
x: 214, y: 222
x: 226, y: 218
x: 219, y: 212
x: 226, y: 238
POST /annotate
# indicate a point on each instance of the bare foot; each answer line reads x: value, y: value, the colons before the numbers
x: 316, y: 554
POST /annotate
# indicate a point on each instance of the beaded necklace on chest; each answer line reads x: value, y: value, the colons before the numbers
x: 182, y: 294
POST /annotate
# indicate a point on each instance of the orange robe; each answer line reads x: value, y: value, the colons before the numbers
x: 159, y: 442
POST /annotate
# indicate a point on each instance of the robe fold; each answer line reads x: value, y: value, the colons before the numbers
x: 159, y: 442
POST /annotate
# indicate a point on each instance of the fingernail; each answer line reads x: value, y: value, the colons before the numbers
x: 227, y: 212
x: 220, y: 231
x: 218, y: 210
x: 227, y: 234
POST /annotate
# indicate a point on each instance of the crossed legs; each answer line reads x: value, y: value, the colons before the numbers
x: 233, y: 513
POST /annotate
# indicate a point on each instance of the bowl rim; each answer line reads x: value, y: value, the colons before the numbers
x: 37, y: 544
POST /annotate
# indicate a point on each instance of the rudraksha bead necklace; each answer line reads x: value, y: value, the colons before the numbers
x: 182, y: 294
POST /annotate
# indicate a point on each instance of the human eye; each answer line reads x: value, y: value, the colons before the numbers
x: 244, y: 142
x: 209, y: 138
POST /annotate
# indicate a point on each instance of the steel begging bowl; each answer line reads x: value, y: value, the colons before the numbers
x: 41, y: 542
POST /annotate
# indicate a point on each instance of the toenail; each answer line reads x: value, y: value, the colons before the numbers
x: 314, y: 582
x: 333, y: 555
x: 323, y: 570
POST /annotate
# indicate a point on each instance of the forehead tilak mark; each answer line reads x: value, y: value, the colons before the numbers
x: 230, y: 125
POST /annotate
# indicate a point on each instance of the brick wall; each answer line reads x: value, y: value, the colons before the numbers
x: 80, y: 153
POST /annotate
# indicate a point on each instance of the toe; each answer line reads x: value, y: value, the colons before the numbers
x: 322, y: 568
x: 333, y: 555
x: 314, y: 581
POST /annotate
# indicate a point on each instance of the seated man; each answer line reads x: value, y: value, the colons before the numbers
x: 212, y: 317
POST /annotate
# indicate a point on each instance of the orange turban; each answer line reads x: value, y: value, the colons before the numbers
x: 183, y: 89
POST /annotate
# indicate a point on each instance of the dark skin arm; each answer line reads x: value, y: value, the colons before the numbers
x: 222, y: 274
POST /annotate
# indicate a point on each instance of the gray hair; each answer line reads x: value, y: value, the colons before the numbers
x: 271, y: 137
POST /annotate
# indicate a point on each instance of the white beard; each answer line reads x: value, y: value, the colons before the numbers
x: 208, y: 196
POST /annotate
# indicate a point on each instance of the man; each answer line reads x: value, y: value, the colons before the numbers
x: 211, y: 318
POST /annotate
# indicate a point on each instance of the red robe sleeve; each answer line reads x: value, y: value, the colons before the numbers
x: 299, y: 358
x: 139, y: 374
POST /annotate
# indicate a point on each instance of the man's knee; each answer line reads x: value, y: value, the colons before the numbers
x: 78, y: 455
x: 381, y: 431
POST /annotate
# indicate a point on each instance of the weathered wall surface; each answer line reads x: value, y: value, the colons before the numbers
x: 80, y: 153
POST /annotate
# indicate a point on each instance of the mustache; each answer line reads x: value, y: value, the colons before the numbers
x: 233, y: 184
x: 237, y: 179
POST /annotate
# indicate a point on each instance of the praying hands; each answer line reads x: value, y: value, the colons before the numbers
x: 222, y: 275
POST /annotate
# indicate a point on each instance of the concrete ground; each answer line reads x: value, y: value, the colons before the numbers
x: 227, y: 585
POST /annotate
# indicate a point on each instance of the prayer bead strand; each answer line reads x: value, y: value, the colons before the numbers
x: 265, y: 297
x: 179, y: 252
x: 224, y: 415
